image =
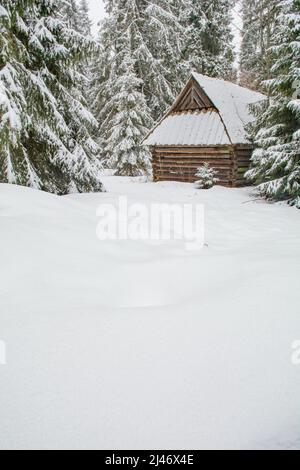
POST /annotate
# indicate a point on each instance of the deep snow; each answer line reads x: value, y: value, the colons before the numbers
x: 130, y: 345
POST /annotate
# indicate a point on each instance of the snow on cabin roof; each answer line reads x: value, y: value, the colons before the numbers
x: 223, y: 126
x: 232, y: 102
x: 192, y: 128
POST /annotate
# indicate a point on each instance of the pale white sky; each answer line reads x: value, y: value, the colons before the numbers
x: 97, y: 12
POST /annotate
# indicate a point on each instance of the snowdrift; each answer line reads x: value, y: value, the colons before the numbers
x: 130, y: 345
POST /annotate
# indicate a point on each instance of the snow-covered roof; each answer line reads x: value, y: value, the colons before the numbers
x: 225, y: 125
x: 190, y: 128
x: 232, y: 101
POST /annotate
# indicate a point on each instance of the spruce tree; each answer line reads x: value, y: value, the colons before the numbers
x: 76, y: 16
x: 71, y: 14
x: 208, y: 45
x: 130, y: 121
x: 162, y: 62
x: 125, y: 117
x: 259, y: 21
x: 44, y: 127
x: 276, y: 162
x: 149, y: 33
x: 85, y: 22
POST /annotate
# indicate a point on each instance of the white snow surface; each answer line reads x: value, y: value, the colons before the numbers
x: 135, y: 345
x: 193, y: 128
x: 232, y: 102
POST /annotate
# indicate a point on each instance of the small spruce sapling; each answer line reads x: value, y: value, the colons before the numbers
x: 207, y: 177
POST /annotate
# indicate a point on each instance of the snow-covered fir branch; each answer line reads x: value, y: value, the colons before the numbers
x: 45, y: 129
x: 276, y: 162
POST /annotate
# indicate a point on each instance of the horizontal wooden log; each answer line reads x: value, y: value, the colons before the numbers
x: 188, y: 159
x: 223, y: 173
x: 243, y: 157
x: 193, y: 150
x: 222, y: 176
x: 243, y: 148
x: 243, y: 151
x: 192, y: 178
x: 179, y: 172
x: 222, y: 166
x: 214, y: 164
x: 196, y: 150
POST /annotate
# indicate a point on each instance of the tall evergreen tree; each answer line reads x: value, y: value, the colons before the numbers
x: 259, y: 20
x: 85, y: 22
x: 276, y: 162
x: 76, y: 16
x: 44, y: 127
x: 148, y: 32
x: 125, y: 116
x: 71, y: 14
x: 208, y: 47
x: 163, y: 36
x: 130, y: 119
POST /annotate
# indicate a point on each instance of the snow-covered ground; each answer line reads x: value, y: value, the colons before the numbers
x: 135, y: 345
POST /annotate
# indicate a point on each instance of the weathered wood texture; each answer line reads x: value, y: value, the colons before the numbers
x: 242, y: 161
x: 192, y: 97
x: 181, y: 163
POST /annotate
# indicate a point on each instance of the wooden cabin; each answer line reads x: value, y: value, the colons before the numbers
x: 206, y: 124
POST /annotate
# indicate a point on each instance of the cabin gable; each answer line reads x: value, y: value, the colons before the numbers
x: 192, y: 98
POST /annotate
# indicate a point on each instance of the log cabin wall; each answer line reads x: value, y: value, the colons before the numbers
x: 181, y: 163
x: 242, y: 162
